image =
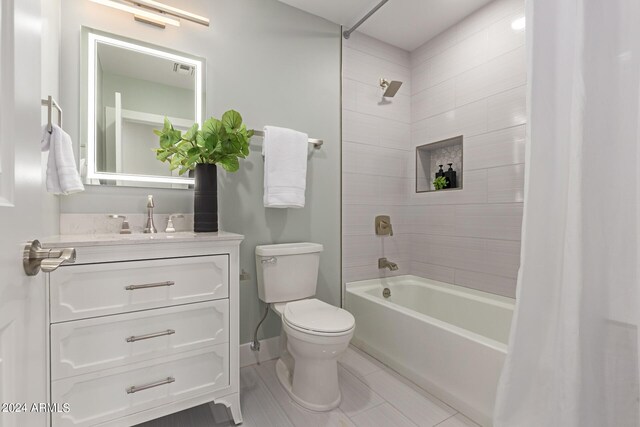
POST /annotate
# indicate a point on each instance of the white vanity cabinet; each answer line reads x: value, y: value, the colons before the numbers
x: 143, y: 326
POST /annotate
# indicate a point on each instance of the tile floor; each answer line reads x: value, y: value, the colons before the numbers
x: 372, y: 396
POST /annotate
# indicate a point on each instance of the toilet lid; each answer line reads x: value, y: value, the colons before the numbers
x: 315, y: 315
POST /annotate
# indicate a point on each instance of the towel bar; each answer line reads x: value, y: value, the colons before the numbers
x: 317, y: 143
x: 51, y: 103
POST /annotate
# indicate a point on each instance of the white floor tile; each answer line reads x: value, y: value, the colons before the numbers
x: 359, y: 363
x: 356, y: 395
x: 372, y: 396
x: 417, y: 406
x: 458, y: 420
x: 259, y: 407
x: 383, y: 415
x: 299, y: 416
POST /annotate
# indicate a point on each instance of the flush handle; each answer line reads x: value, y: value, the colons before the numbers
x: 270, y: 260
x: 36, y: 258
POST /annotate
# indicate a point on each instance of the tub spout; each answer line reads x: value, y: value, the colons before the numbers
x: 385, y: 263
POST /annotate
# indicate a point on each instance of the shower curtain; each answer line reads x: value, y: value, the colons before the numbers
x: 573, y: 354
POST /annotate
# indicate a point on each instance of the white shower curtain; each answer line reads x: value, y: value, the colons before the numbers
x: 573, y: 355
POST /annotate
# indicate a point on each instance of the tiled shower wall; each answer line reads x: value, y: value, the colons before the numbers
x: 470, y: 81
x: 376, y: 138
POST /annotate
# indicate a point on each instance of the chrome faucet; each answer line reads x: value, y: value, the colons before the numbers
x: 385, y: 263
x: 150, y: 228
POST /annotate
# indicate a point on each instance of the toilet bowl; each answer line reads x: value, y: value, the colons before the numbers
x: 314, y: 335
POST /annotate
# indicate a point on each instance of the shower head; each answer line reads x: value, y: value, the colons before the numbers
x: 390, y: 87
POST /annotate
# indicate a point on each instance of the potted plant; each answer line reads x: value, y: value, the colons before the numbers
x: 219, y: 142
x: 440, y: 182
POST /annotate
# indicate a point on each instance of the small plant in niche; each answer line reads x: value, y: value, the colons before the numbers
x: 440, y: 182
x: 219, y: 142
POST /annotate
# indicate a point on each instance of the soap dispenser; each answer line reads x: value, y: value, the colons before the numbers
x: 440, y: 172
x: 450, y: 175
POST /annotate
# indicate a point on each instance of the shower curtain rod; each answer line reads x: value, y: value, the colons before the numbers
x: 348, y: 32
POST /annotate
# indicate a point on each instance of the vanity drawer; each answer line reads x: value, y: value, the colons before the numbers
x: 91, y: 290
x: 91, y: 345
x: 102, y: 397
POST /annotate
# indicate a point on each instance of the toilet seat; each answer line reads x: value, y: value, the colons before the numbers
x: 316, y: 317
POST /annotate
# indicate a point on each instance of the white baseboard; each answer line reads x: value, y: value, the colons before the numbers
x: 269, y: 349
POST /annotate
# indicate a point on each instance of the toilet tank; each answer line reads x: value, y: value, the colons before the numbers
x: 287, y: 272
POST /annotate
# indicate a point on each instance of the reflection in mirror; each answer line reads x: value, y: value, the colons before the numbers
x: 131, y: 89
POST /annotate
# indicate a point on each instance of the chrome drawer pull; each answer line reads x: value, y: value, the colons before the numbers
x: 136, y: 388
x: 148, y: 336
x: 150, y: 285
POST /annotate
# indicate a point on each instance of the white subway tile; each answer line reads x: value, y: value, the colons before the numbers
x: 369, y: 100
x: 498, y: 148
x: 491, y: 221
x: 486, y: 16
x: 433, y: 272
x: 432, y: 101
x: 503, y: 38
x: 507, y: 109
x: 505, y: 72
x: 506, y: 184
x: 349, y: 95
x: 377, y: 48
x: 368, y: 69
x: 359, y: 127
x: 371, y: 160
x: 433, y: 47
x: 505, y: 286
x: 468, y: 120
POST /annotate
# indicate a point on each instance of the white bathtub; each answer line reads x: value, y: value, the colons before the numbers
x: 448, y: 339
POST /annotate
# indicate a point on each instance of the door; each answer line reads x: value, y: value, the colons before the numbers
x: 22, y: 298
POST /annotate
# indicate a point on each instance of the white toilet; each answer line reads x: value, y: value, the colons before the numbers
x: 314, y: 333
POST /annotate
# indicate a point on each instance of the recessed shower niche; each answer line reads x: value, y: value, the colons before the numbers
x: 443, y: 158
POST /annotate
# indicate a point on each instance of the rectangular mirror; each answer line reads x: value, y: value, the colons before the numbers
x: 130, y: 88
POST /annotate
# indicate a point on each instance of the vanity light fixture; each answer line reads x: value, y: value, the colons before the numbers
x: 170, y: 10
x: 140, y: 14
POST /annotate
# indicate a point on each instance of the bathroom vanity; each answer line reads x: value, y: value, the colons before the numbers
x: 141, y: 326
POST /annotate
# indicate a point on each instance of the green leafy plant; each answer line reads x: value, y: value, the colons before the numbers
x: 221, y: 142
x: 440, y: 182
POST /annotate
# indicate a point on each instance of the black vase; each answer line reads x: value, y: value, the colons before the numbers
x: 205, y: 200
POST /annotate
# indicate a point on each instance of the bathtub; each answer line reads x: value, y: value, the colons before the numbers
x: 448, y: 339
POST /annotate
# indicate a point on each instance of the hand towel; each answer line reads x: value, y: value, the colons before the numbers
x: 62, y: 173
x: 285, y: 167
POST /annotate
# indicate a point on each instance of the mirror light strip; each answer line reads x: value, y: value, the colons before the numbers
x: 93, y: 40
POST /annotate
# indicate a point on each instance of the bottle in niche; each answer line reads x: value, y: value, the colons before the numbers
x: 450, y: 175
x: 440, y: 172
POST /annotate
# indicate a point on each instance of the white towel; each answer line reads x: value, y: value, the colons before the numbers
x: 62, y: 173
x: 285, y: 167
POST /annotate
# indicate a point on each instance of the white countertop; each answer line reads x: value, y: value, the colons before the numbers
x: 136, y: 238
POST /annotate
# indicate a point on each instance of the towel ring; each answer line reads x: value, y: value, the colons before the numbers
x: 51, y: 103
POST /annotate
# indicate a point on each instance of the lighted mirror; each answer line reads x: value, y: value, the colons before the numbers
x: 130, y: 88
